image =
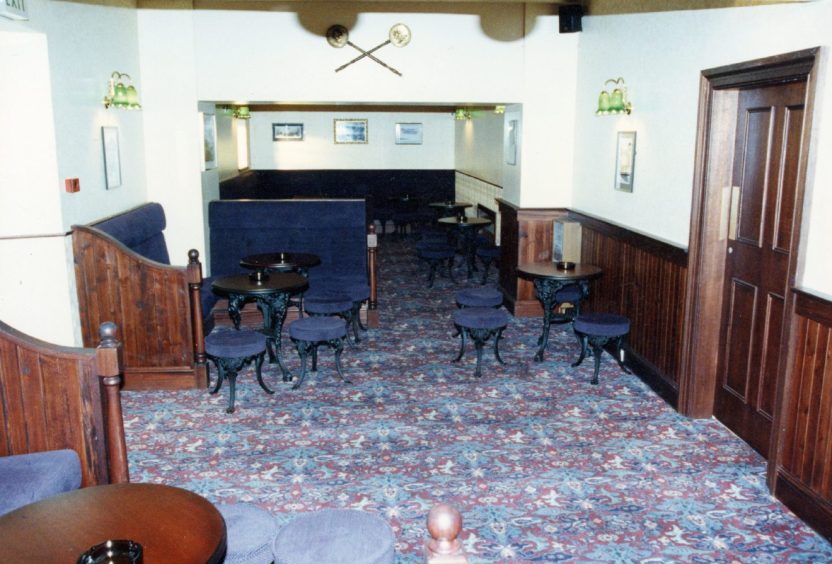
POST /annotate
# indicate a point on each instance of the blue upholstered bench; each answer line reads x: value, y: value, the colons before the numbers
x: 27, y: 478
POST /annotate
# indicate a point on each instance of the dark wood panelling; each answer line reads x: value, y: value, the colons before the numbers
x: 804, y: 466
x: 54, y: 397
x: 150, y: 302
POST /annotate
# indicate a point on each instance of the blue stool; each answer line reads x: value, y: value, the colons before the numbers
x: 479, y: 297
x: 358, y: 292
x: 598, y: 329
x: 231, y: 351
x: 330, y: 303
x: 335, y: 535
x: 480, y: 323
x: 435, y: 255
x: 250, y: 532
x: 310, y: 332
x: 487, y: 254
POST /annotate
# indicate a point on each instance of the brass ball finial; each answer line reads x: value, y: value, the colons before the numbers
x: 444, y: 525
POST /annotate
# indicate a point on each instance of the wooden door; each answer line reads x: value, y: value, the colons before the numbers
x: 769, y: 132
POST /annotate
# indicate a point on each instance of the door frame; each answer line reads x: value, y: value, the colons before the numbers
x: 715, y: 134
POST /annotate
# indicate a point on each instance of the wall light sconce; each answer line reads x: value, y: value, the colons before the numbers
x: 462, y: 113
x: 499, y: 109
x: 615, y: 103
x: 121, y: 96
x: 242, y: 112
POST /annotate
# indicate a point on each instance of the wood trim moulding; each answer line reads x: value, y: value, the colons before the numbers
x: 478, y: 179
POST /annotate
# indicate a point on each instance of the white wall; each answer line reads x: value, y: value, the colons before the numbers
x: 318, y: 151
x: 660, y: 56
x: 479, y: 146
x: 51, y: 124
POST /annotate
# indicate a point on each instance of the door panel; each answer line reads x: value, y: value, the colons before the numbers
x: 766, y: 153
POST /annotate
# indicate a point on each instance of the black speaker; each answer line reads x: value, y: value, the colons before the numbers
x: 570, y: 17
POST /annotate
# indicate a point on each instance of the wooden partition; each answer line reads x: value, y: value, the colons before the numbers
x: 57, y: 397
x: 802, y: 467
x: 156, y: 307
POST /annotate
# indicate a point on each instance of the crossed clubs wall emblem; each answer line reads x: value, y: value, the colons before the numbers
x: 338, y: 36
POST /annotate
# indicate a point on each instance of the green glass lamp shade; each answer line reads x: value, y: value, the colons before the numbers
x: 120, y: 96
x: 242, y: 113
x: 617, y: 101
x: 133, y: 98
x: 603, y: 103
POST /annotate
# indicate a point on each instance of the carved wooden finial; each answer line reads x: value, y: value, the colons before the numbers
x: 444, y: 526
x: 193, y: 256
x: 107, y: 334
x: 372, y: 228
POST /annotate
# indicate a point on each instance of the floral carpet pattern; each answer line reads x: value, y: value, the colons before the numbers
x: 543, y: 466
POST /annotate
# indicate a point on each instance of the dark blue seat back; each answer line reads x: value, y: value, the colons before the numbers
x: 334, y: 230
x: 140, y: 229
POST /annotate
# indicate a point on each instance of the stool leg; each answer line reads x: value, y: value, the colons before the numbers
x: 258, y: 368
x: 432, y: 274
x: 232, y: 389
x: 451, y: 270
x: 314, y: 356
x: 596, y: 352
x: 618, y: 355
x: 303, y: 352
x: 497, y: 345
x: 220, y: 377
x: 485, y: 267
x: 357, y: 317
x: 478, y: 343
x: 582, y: 339
x: 338, y: 345
x: 461, y: 332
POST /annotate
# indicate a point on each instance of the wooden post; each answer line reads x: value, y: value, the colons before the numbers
x: 372, y: 267
x: 108, y: 364
x: 444, y: 526
x: 197, y: 323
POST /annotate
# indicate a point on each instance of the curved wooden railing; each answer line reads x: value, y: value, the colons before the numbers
x: 56, y: 397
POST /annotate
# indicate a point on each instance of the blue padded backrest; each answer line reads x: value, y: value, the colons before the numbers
x: 332, y: 229
x: 140, y: 229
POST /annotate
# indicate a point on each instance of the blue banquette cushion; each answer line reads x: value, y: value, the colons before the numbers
x: 27, y: 478
x: 140, y: 229
x: 334, y: 230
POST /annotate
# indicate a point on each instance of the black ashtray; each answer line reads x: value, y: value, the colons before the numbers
x: 564, y: 265
x: 258, y: 276
x: 113, y: 552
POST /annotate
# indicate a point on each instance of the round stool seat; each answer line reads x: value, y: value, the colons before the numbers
x: 569, y: 294
x: 250, y: 532
x: 326, y: 303
x: 479, y: 297
x: 335, y: 535
x: 602, y: 324
x: 437, y: 252
x: 489, y: 251
x: 235, y: 344
x: 480, y: 318
x: 314, y: 329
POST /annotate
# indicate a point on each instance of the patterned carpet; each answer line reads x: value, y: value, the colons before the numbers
x: 542, y: 466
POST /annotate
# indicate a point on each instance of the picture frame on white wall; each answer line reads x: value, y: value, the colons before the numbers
x: 625, y: 160
x: 209, y: 141
x: 350, y: 131
x: 287, y: 132
x: 511, y: 142
x: 112, y: 157
x: 408, y: 134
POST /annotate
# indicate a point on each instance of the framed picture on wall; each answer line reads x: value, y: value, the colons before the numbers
x: 287, y: 132
x: 112, y: 157
x: 350, y: 131
x: 625, y: 160
x: 408, y: 134
x: 209, y: 141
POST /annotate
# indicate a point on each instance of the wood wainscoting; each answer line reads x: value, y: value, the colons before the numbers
x: 644, y: 279
x: 803, y: 464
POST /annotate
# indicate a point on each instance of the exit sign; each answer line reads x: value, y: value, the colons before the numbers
x: 14, y: 9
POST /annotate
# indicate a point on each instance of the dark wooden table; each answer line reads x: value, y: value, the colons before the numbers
x: 171, y: 524
x: 450, y: 207
x: 281, y: 262
x: 548, y: 279
x: 272, y: 298
x: 467, y: 228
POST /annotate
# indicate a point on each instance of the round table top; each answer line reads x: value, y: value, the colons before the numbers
x: 549, y: 269
x: 451, y: 205
x: 276, y: 283
x: 171, y: 524
x: 280, y: 261
x: 465, y: 222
